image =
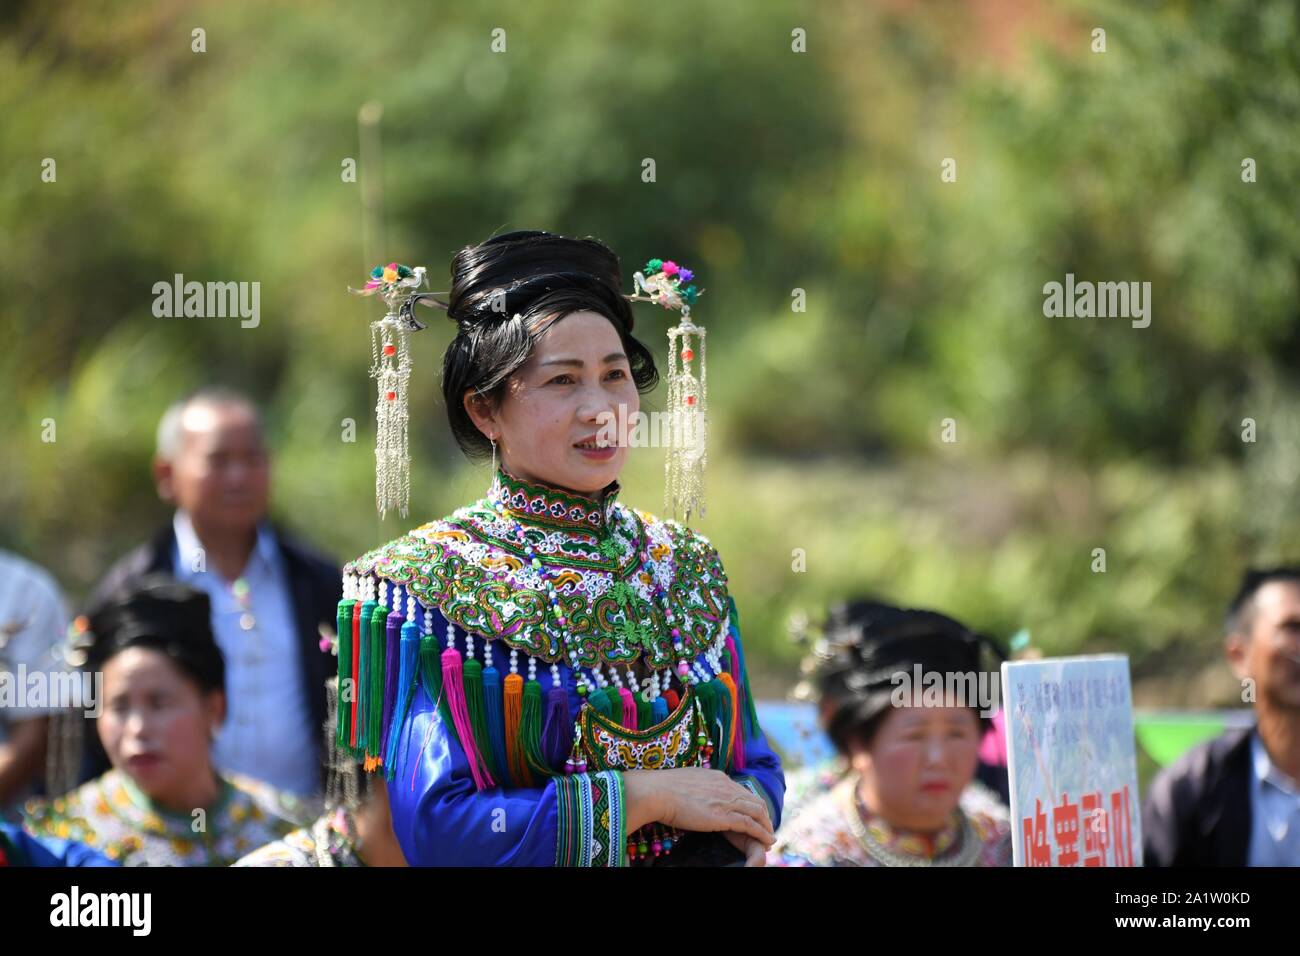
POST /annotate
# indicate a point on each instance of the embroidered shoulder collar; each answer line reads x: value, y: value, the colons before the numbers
x: 628, y: 585
x: 554, y: 507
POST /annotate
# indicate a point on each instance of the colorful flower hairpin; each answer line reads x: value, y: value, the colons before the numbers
x: 399, y: 287
x: 666, y: 284
x: 670, y: 285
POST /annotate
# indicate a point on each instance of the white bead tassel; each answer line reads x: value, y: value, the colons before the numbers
x: 391, y: 368
x: 688, y: 406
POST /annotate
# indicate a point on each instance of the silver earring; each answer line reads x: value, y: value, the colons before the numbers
x: 494, y: 456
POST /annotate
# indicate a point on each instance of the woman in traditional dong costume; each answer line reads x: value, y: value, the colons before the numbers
x: 163, y: 697
x: 548, y: 676
x: 905, y: 791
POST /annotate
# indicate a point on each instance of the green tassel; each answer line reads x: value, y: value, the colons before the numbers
x: 598, y: 701
x: 614, y: 704
x: 374, y: 683
x: 530, y: 730
x: 722, y: 708
x: 473, y: 677
x: 361, y: 658
x: 431, y: 679
x: 644, y: 720
x: 343, y: 732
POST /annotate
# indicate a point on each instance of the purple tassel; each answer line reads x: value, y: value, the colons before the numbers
x: 557, y: 733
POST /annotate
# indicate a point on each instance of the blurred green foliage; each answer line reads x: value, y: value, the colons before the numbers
x: 775, y: 171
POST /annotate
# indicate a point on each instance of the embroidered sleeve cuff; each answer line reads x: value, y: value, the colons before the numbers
x: 750, y: 783
x: 591, y: 825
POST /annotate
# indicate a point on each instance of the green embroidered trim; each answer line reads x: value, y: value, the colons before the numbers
x: 610, y: 847
x: 590, y: 820
x: 545, y: 504
x: 611, y: 616
x: 568, y: 827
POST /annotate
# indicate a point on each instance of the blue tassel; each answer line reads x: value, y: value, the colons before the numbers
x: 749, y: 716
x: 406, y: 678
x: 659, y: 710
x: 496, y: 722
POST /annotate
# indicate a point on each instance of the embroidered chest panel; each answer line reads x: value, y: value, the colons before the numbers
x: 672, y: 743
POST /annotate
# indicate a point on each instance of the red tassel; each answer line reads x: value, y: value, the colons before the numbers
x: 673, y: 701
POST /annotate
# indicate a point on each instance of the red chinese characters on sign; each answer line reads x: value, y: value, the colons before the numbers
x: 1038, y: 852
x: 1081, y: 829
x: 1096, y: 830
x: 1065, y: 825
x: 1120, y: 817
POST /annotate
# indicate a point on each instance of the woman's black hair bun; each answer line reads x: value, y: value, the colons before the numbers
x: 504, y: 276
x: 157, y: 612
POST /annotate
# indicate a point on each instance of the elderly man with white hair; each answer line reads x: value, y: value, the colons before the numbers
x: 270, y: 595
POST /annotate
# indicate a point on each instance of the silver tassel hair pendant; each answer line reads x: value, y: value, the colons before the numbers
x: 390, y: 367
x: 667, y: 284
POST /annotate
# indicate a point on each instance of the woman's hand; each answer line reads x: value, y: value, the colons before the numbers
x: 698, y: 800
x: 755, y: 852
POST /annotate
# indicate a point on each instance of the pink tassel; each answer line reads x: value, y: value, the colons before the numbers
x: 629, y: 708
x: 737, y: 754
x: 453, y: 683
